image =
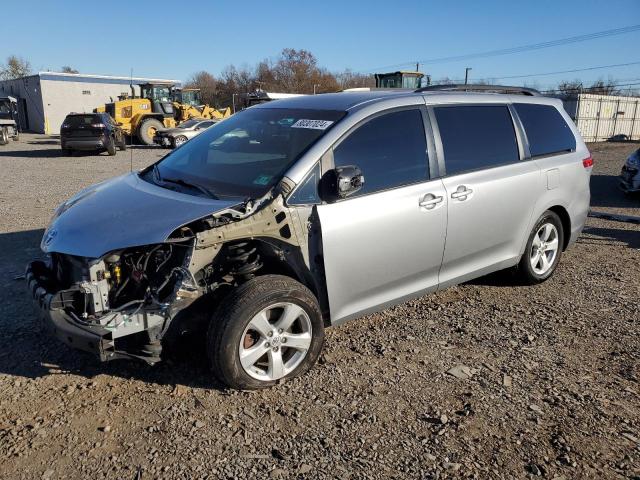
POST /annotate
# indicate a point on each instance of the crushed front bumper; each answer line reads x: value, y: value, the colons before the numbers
x: 89, y: 338
x: 162, y: 140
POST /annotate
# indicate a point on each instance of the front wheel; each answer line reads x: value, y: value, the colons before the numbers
x: 179, y: 140
x: 148, y: 129
x: 270, y: 328
x: 543, y: 251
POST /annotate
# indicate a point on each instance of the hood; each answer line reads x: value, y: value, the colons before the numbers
x: 123, y: 212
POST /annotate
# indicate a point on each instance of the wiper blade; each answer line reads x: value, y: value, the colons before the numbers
x: 179, y: 181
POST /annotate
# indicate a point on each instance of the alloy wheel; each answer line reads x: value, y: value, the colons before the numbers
x: 275, y: 341
x: 544, y: 249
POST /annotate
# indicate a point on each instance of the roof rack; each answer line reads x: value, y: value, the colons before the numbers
x: 481, y: 88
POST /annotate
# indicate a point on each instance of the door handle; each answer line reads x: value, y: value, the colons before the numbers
x: 430, y: 201
x: 461, y: 193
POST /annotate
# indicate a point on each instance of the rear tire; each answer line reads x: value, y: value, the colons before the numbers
x: 261, y: 320
x: 4, y: 136
x: 147, y: 130
x: 123, y: 145
x: 111, y: 146
x: 543, y: 251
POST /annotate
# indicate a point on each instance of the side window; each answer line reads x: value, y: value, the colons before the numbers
x: 391, y: 150
x: 204, y: 125
x: 307, y: 192
x: 546, y: 129
x: 475, y: 137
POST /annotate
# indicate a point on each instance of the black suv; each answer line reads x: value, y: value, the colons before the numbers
x: 91, y: 131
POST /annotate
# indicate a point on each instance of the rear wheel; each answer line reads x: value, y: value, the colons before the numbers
x: 16, y: 137
x: 123, y: 144
x: 543, y: 251
x: 4, y: 136
x: 148, y: 129
x: 111, y: 146
x: 268, y: 329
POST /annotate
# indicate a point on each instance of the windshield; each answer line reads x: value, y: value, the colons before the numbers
x: 77, y: 120
x: 247, y: 154
x: 189, y: 123
x: 5, y: 106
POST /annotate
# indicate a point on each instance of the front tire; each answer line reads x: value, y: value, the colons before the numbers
x: 268, y: 329
x: 543, y: 250
x: 179, y: 140
x: 148, y: 129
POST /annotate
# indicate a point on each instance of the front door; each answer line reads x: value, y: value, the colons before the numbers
x: 385, y: 243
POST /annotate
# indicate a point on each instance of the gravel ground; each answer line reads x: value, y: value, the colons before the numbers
x: 543, y: 381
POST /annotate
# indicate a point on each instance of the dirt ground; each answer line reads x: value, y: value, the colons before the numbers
x: 552, y: 387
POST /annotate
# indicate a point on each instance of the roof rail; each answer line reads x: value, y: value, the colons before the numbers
x: 481, y: 88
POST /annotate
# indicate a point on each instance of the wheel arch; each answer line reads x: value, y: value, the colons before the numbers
x: 566, y: 223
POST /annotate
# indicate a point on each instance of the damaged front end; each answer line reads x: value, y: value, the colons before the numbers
x: 123, y: 304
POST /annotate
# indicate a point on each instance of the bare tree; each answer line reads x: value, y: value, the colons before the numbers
x: 600, y: 87
x: 570, y: 87
x: 295, y: 71
x: 16, y: 67
x: 68, y: 69
x: 350, y: 79
x: 207, y: 84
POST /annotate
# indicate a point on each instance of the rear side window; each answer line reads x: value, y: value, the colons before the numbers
x: 546, y: 129
x: 391, y: 150
x: 475, y: 137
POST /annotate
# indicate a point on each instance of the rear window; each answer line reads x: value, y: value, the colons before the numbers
x: 77, y: 120
x: 475, y: 137
x: 546, y: 129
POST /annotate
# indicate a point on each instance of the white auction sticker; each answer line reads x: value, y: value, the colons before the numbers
x: 315, y: 124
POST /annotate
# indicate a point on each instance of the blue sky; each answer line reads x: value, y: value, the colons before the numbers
x: 173, y: 39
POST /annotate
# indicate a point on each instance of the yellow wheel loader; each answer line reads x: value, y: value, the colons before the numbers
x: 187, y: 103
x: 158, y: 106
x: 142, y: 116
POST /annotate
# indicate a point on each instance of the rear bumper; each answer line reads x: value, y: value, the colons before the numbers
x: 89, y: 143
x: 89, y: 338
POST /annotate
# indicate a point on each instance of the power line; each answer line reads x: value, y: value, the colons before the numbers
x: 522, y: 48
x: 564, y: 71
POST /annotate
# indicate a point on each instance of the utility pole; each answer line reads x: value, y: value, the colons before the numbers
x: 466, y: 75
x: 417, y: 66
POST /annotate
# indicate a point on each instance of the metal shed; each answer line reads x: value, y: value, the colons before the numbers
x: 604, y: 117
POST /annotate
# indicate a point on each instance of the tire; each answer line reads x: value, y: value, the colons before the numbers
x: 111, y: 146
x: 147, y: 130
x: 4, y: 136
x: 532, y: 268
x: 179, y: 141
x: 231, y: 332
x: 123, y: 145
x: 16, y: 137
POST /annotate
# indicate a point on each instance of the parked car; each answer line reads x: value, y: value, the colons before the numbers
x: 295, y: 215
x: 630, y: 175
x: 91, y: 131
x: 175, y: 137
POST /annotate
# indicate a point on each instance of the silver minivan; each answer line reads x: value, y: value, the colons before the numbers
x: 300, y: 214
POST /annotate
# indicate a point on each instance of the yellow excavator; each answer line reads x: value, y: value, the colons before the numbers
x: 158, y: 106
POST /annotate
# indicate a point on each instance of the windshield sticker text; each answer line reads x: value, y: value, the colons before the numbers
x: 315, y: 124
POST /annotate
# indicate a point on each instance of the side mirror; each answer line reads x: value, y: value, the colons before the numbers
x: 341, y: 182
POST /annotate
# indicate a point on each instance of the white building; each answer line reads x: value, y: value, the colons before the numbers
x: 46, y: 98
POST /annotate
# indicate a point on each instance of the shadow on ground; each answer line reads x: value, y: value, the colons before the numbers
x: 605, y: 192
x: 610, y: 236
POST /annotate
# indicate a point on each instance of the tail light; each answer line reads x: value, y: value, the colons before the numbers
x: 587, y: 162
x: 97, y: 125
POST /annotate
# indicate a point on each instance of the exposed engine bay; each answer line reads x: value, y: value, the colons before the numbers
x: 131, y: 298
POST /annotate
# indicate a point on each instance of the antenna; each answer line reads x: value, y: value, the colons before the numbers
x: 131, y: 136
